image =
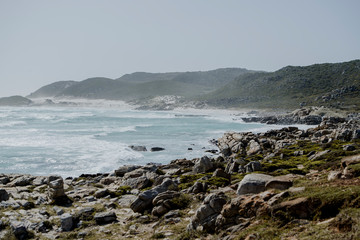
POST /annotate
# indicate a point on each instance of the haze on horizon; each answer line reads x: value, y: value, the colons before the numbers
x: 47, y: 41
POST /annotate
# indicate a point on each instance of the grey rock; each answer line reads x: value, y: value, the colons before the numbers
x: 105, y: 217
x: 22, y: 181
x: 253, y: 183
x: 253, y: 166
x: 198, y: 187
x: 126, y: 200
x: 254, y: 148
x: 56, y: 187
x: 19, y: 230
x: 349, y: 148
x: 137, y: 182
x: 333, y: 175
x: 4, y: 196
x: 59, y: 211
x: 101, y: 193
x: 280, y: 183
x: 4, y: 180
x: 120, y: 172
x: 138, y: 148
x: 67, y: 222
x: 203, y: 165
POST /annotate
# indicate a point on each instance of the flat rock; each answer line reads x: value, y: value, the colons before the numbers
x: 253, y: 183
x: 105, y: 217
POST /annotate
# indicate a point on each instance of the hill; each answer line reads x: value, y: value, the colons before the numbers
x: 334, y: 85
x: 142, y: 85
x: 52, y: 89
x: 15, y: 101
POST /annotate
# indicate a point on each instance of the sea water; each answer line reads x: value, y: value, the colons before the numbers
x: 70, y: 141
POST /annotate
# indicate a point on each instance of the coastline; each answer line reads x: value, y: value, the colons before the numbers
x: 205, y: 198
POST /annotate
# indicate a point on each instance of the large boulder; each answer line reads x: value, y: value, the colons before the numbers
x: 203, y: 165
x: 253, y: 148
x: 4, y: 196
x: 120, y: 172
x: 67, y: 222
x: 105, y: 217
x: 144, y: 200
x: 205, y: 216
x: 253, y: 183
x: 56, y: 187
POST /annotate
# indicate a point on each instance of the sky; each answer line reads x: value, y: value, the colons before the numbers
x: 44, y: 41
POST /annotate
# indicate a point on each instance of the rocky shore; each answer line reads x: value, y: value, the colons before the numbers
x: 281, y: 184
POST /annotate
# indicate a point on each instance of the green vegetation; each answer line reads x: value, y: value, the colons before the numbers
x: 289, y: 86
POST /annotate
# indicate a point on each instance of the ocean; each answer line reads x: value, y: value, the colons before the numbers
x: 69, y: 141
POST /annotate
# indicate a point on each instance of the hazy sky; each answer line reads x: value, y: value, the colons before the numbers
x: 44, y: 41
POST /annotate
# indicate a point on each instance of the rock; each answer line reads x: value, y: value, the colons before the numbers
x: 105, y: 217
x: 144, y: 200
x: 56, y: 188
x: 349, y: 148
x: 4, y: 196
x: 198, y: 187
x: 58, y: 211
x: 101, y: 193
x: 22, y: 181
x: 85, y: 213
x: 126, y: 200
x: 318, y: 155
x: 221, y: 173
x: 203, y: 165
x: 137, y: 183
x: 253, y: 183
x: 334, y: 175
x: 138, y: 148
x: 67, y: 222
x: 120, y: 172
x: 156, y: 149
x: 108, y: 180
x: 346, y: 161
x: 277, y: 198
x: 254, y: 148
x: 206, y: 215
x: 4, y: 180
x: 280, y: 183
x: 298, y: 208
x: 19, y: 230
x: 253, y: 166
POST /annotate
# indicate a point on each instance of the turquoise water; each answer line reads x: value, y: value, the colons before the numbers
x: 71, y: 140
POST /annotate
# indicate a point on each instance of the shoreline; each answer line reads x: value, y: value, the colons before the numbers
x: 271, y: 173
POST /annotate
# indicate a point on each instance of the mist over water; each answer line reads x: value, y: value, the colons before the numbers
x: 70, y: 141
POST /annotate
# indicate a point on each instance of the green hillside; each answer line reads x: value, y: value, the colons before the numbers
x: 143, y: 85
x: 52, y: 89
x: 320, y: 84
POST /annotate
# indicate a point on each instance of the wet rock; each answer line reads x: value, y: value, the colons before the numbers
x: 4, y: 196
x: 253, y: 183
x: 105, y: 217
x: 138, y: 148
x: 156, y: 149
